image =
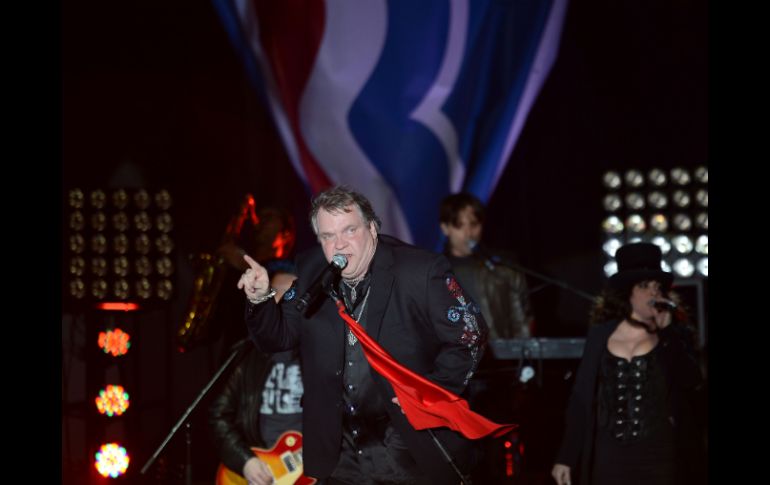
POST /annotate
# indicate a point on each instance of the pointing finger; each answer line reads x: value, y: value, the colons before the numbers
x: 254, y: 265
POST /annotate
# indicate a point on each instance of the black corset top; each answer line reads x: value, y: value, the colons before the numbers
x: 632, y: 402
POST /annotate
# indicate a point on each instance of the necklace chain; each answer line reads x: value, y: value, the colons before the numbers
x: 353, y: 294
x: 353, y: 282
x: 352, y: 338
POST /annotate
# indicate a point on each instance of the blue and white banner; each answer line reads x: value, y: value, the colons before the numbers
x: 405, y: 101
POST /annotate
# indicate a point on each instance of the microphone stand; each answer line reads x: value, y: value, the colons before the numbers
x: 463, y: 479
x: 491, y: 260
x: 517, y: 267
x: 188, y: 466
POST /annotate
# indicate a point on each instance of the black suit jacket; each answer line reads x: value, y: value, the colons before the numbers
x: 413, y: 315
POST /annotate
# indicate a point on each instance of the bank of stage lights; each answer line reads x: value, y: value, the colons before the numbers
x: 118, y: 247
x: 113, y: 402
x: 665, y: 207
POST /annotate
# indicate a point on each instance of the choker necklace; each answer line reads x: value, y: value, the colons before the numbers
x: 638, y: 323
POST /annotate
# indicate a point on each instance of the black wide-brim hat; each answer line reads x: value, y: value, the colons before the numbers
x: 639, y: 262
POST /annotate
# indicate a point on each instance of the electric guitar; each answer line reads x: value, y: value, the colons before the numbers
x: 284, y: 459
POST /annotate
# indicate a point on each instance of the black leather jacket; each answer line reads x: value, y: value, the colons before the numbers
x: 501, y: 292
x: 234, y: 413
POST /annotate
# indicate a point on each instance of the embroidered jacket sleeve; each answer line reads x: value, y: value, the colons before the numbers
x: 459, y: 326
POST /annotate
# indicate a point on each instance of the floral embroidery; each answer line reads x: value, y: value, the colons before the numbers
x: 453, y: 315
x: 454, y: 289
x: 472, y: 336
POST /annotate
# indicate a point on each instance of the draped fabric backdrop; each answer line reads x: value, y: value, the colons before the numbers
x: 404, y: 101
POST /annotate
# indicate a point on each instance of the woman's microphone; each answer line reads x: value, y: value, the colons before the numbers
x: 664, y: 305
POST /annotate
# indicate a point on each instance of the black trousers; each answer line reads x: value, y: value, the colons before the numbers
x: 374, y: 457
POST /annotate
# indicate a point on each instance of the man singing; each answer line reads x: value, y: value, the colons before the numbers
x: 410, y: 303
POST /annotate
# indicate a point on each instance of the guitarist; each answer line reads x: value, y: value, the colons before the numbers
x: 259, y: 401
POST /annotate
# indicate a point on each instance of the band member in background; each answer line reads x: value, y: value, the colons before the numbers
x: 259, y: 401
x: 630, y: 418
x: 500, y: 290
x: 409, y: 301
x: 503, y: 295
x: 266, y: 234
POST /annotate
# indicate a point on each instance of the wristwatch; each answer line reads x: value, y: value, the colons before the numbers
x: 262, y: 299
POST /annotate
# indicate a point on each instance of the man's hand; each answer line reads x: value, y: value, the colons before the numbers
x: 395, y: 401
x: 254, y: 282
x: 256, y: 472
x: 560, y: 473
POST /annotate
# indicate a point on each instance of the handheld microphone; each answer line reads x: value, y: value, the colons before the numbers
x: 323, y: 280
x: 664, y: 305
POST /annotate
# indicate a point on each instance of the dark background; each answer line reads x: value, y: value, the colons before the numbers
x: 158, y: 86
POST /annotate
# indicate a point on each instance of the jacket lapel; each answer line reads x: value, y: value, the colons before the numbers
x: 381, y: 288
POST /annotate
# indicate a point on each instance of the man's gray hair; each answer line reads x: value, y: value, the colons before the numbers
x: 337, y: 200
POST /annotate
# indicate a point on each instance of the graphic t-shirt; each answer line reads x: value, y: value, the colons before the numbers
x: 281, y: 397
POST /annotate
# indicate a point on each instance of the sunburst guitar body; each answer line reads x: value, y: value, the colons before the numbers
x: 284, y: 459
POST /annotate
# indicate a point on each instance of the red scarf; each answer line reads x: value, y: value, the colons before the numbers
x: 425, y: 404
